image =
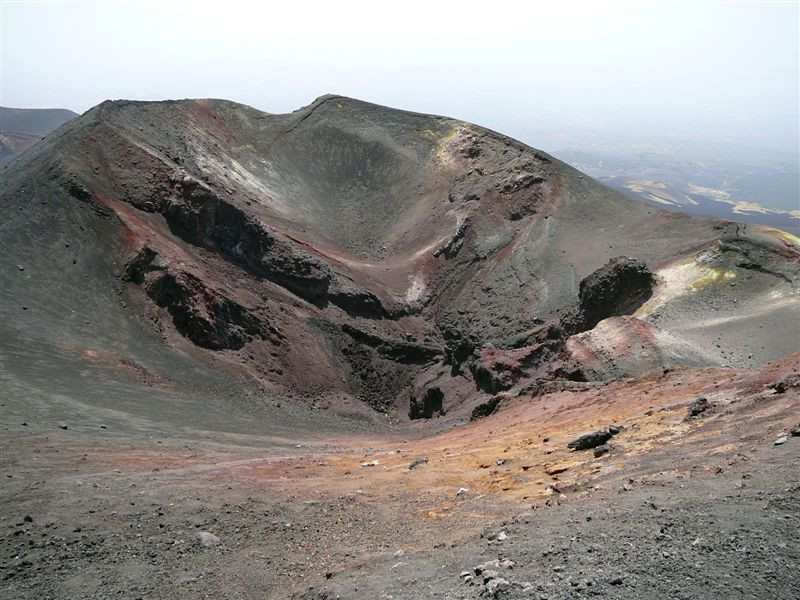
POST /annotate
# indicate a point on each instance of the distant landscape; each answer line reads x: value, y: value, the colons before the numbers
x: 761, y: 188
x: 738, y: 175
x: 21, y: 128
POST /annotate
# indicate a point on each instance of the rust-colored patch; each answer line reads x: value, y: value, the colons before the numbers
x: 118, y: 362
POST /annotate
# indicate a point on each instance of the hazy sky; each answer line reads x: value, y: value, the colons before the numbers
x: 716, y: 66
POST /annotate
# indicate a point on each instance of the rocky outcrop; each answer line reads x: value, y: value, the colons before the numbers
x: 516, y: 188
x: 204, y: 219
x: 460, y: 344
x: 592, y: 440
x: 204, y: 315
x: 496, y: 369
x: 484, y: 409
x: 423, y: 405
x: 354, y: 300
x: 618, y: 288
x: 199, y: 215
x: 627, y: 347
x: 379, y: 369
x: 456, y: 241
x: 786, y: 383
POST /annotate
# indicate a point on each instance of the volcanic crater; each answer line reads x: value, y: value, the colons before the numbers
x: 271, y: 294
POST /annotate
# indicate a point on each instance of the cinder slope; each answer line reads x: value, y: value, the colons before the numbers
x: 12, y: 143
x: 349, y: 252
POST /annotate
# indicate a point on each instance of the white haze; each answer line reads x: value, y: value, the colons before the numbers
x: 712, y: 70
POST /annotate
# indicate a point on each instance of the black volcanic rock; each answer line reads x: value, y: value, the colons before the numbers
x: 698, y: 407
x: 590, y: 440
x: 484, y: 409
x: 618, y: 288
x: 205, y: 316
x: 602, y: 450
x: 786, y: 383
x: 426, y: 404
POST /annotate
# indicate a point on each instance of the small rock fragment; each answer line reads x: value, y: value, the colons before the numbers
x: 785, y: 383
x: 494, y: 564
x: 698, y: 407
x: 489, y: 574
x: 494, y: 586
x: 601, y: 450
x: 422, y: 460
x: 372, y: 463
x: 207, y: 540
x: 781, y: 440
x: 499, y: 536
x: 555, y: 469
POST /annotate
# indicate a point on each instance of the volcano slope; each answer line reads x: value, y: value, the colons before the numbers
x: 211, y: 316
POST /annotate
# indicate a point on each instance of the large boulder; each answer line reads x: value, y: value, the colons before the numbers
x: 484, y: 409
x: 618, y: 288
x: 591, y: 440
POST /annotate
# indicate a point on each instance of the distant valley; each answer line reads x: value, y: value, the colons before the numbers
x: 759, y: 189
x: 21, y: 128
